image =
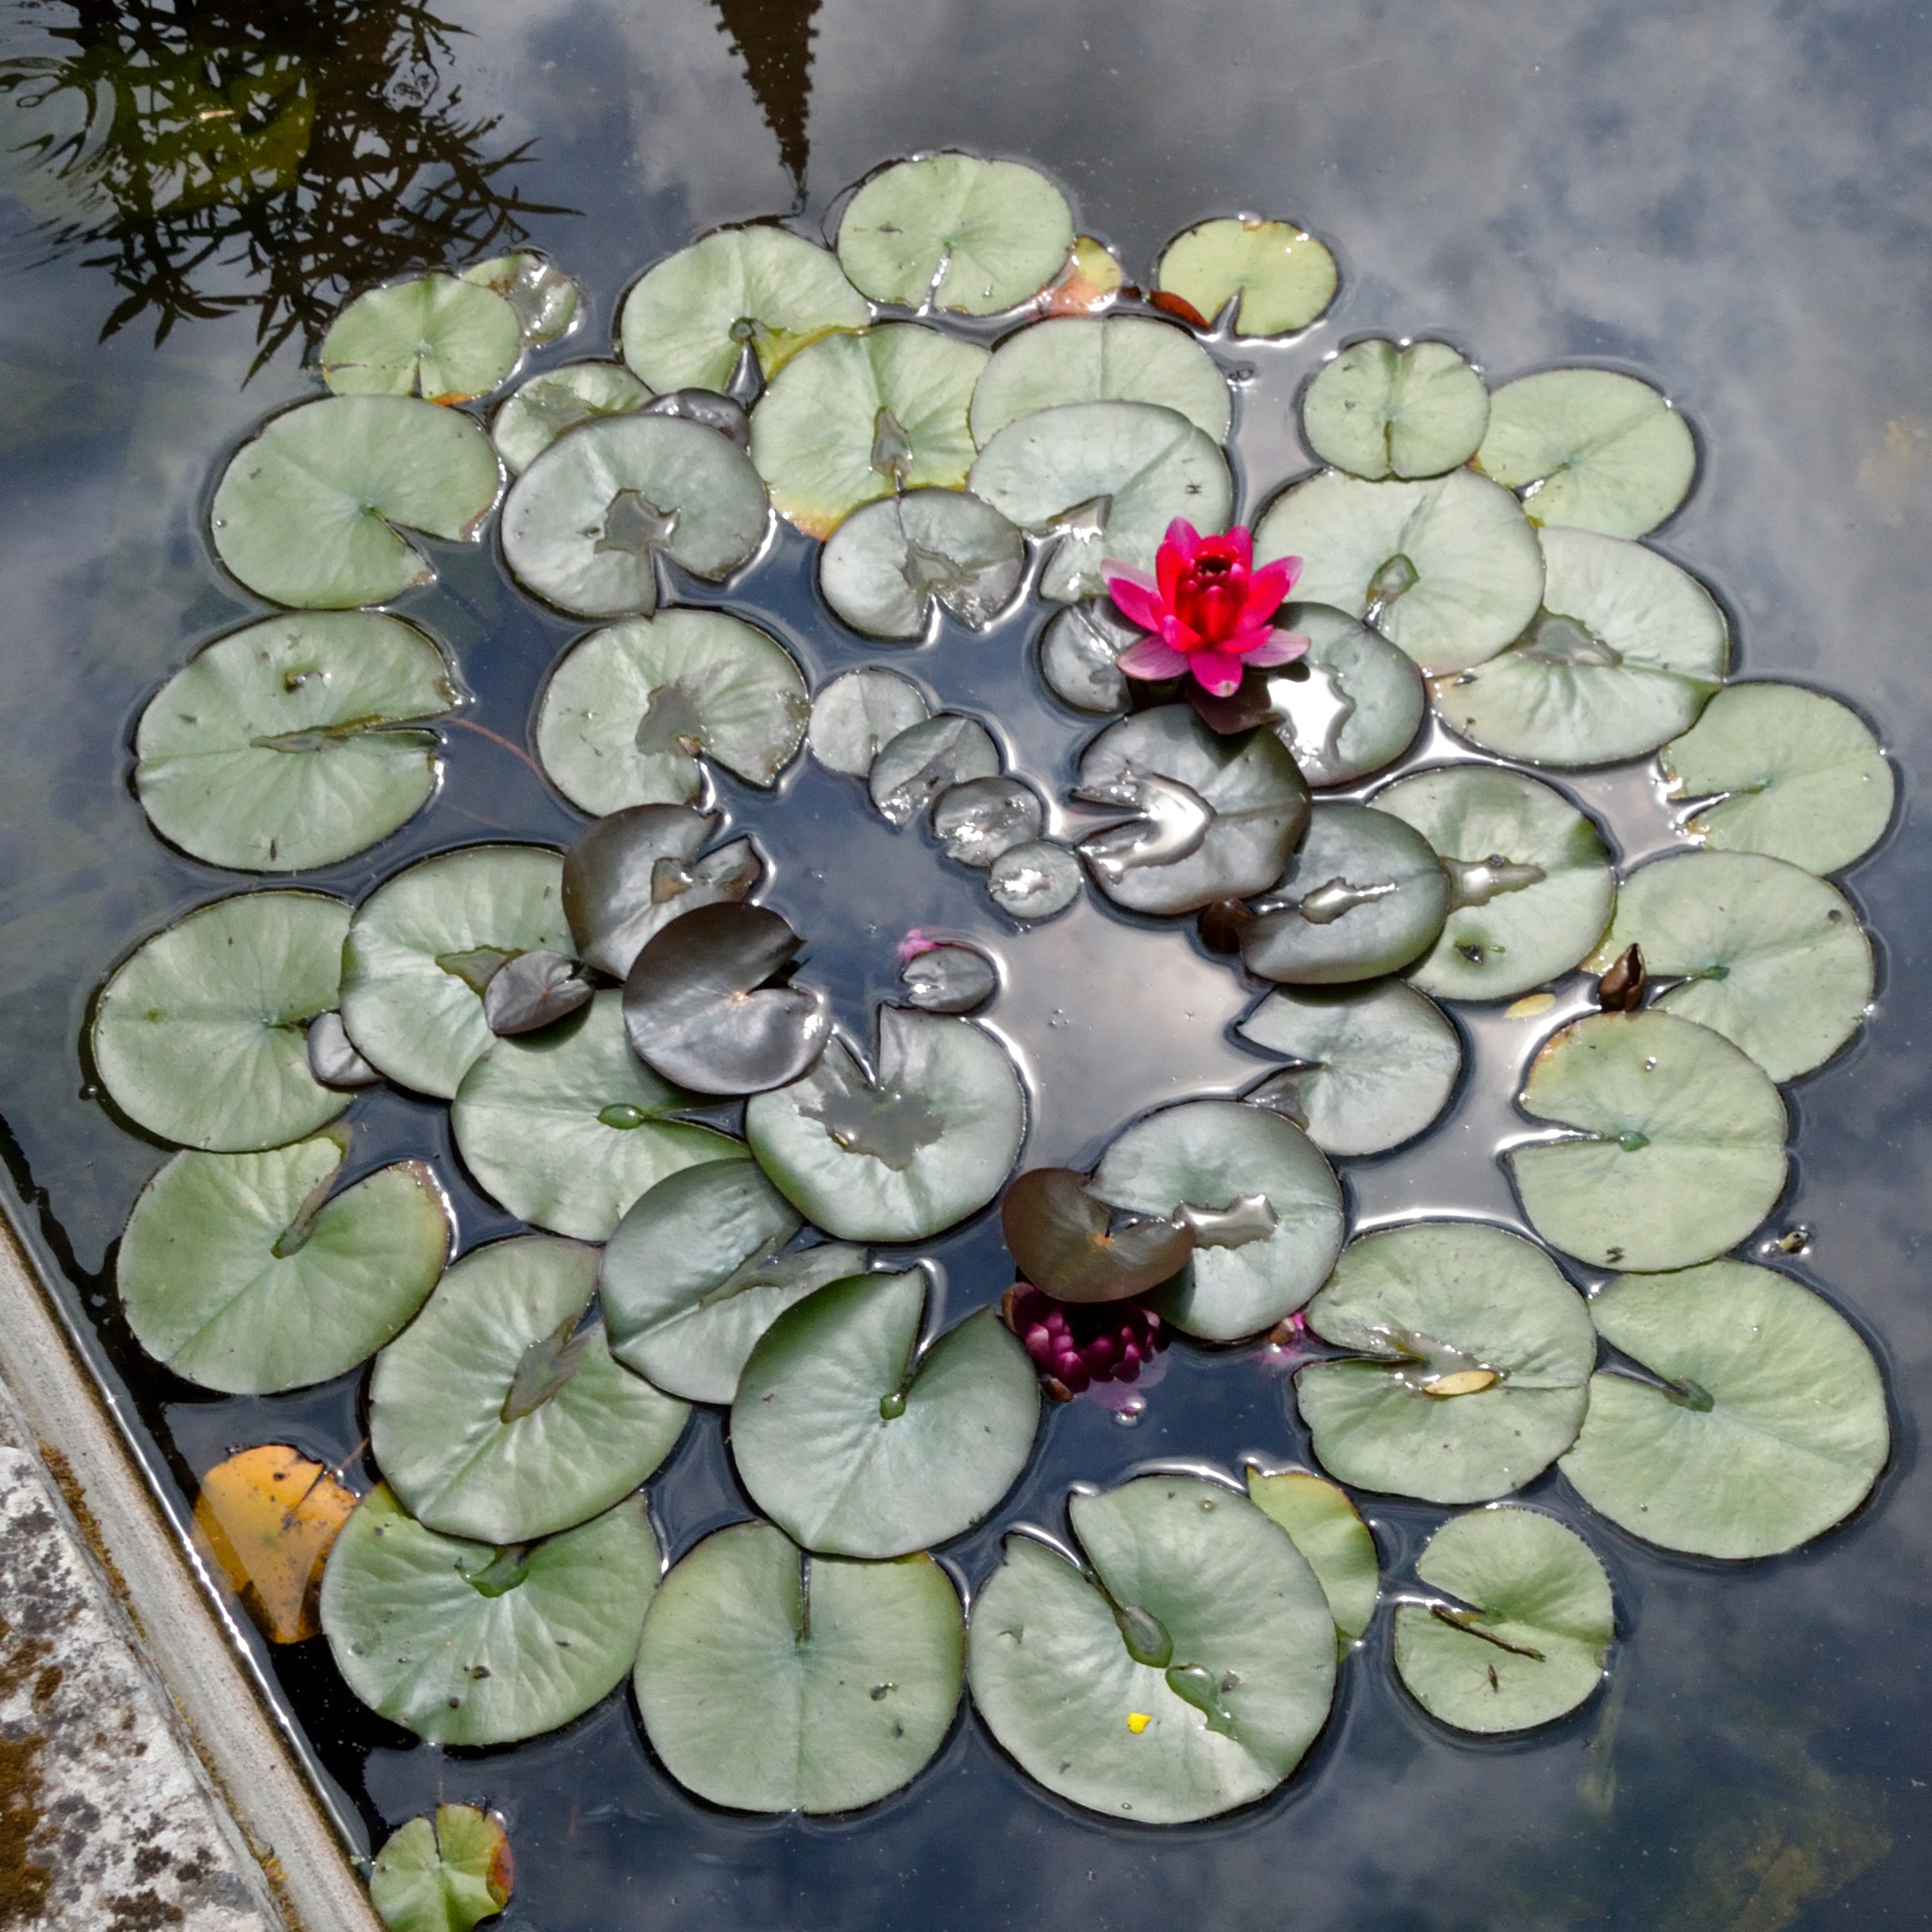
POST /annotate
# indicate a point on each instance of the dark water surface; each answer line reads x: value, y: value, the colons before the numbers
x: 1734, y: 200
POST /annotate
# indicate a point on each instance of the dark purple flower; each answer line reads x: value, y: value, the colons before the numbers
x: 1075, y: 1343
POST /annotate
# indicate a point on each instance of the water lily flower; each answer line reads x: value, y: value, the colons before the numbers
x: 1075, y: 1344
x: 1210, y: 611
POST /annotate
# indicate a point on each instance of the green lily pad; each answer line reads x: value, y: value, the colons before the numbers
x: 1284, y: 278
x: 1104, y: 480
x: 242, y: 1272
x: 415, y: 961
x: 856, y: 716
x: 772, y: 1681
x: 1079, y: 653
x: 1526, y: 1643
x: 1771, y: 956
x: 856, y: 417
x: 1784, y: 771
x: 1449, y: 569
x: 465, y: 1644
x: 685, y: 322
x: 284, y: 745
x: 927, y: 761
x: 432, y: 336
x: 890, y: 562
x: 497, y: 1415
x: 960, y: 233
x: 1352, y: 702
x: 585, y: 523
x: 1624, y: 654
x: 1374, y: 1064
x: 540, y: 410
x: 311, y: 511
x: 1265, y: 1206
x: 856, y: 1443
x: 448, y: 1876
x: 977, y: 821
x: 1477, y: 1364
x: 1589, y: 449
x: 1185, y: 1675
x: 547, y: 301
x: 1122, y: 359
x: 1036, y: 880
x: 902, y: 1153
x: 199, y: 1036
x: 698, y: 1270
x: 1769, y: 1425
x: 1381, y: 408
x: 1680, y: 1149
x: 1324, y: 1525
x: 1531, y: 879
x: 629, y: 709
x: 565, y: 1127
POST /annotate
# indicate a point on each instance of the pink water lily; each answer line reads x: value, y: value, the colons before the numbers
x: 1210, y: 611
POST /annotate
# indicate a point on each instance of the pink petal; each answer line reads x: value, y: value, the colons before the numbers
x: 1218, y: 675
x: 1113, y: 567
x: 1278, y: 647
x: 1138, y: 602
x: 1182, y: 636
x: 1266, y: 590
x: 1151, y: 659
x: 1182, y: 537
x: 1241, y: 541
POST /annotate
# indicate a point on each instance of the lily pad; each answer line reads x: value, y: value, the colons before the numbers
x: 1351, y: 704
x: 244, y: 1272
x: 1079, y: 656
x: 285, y: 745
x: 1526, y: 1641
x: 585, y: 523
x: 956, y: 232
x: 565, y: 1129
x: 687, y: 319
x: 977, y: 821
x: 902, y: 1152
x: 1384, y: 408
x: 926, y: 761
x: 1103, y: 481
x: 547, y: 301
x: 1449, y: 569
x: 432, y: 336
x: 856, y: 1443
x: 1784, y: 771
x: 1324, y: 1525
x: 1589, y: 449
x: 1034, y: 881
x: 629, y: 710
x: 1062, y: 1240
x: 1265, y: 1206
x: 200, y: 1036
x: 1359, y: 899
x: 465, y: 1644
x: 1284, y: 277
x: 1123, y: 359
x: 1531, y: 879
x: 448, y: 1876
x: 540, y: 410
x: 1679, y: 1147
x: 311, y: 511
x: 499, y: 1414
x: 1374, y: 1065
x: 700, y: 1268
x: 413, y: 966
x: 886, y: 566
x: 949, y: 977
x: 1765, y: 1427
x: 858, y: 714
x: 772, y: 1681
x: 1623, y: 654
x: 1476, y: 1364
x: 1183, y: 1676
x: 856, y: 417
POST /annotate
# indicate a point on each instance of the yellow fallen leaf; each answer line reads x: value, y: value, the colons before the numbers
x: 1529, y: 1006
x: 1090, y: 282
x: 1464, y: 1382
x: 269, y: 1516
x: 1137, y: 1721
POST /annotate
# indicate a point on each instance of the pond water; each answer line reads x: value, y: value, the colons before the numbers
x: 1729, y: 201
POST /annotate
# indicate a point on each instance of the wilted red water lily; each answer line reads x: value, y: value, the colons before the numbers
x: 1210, y: 610
x: 1073, y: 1344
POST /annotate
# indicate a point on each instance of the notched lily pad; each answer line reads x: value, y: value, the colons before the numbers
x: 1384, y: 409
x: 945, y: 977
x: 977, y: 821
x: 432, y: 336
x: 541, y: 409
x: 1123, y: 359
x: 858, y: 714
x: 926, y: 761
x: 448, y: 1876
x: 1324, y: 1525
x: 1079, y: 651
x: 1034, y: 881
x: 547, y: 301
x: 1351, y: 704
x: 890, y: 563
x: 1280, y: 278
x: 1065, y: 1242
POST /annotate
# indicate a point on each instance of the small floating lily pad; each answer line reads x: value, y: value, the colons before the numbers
x: 1476, y: 1360
x: 547, y: 301
x: 1079, y: 656
x: 858, y: 714
x: 1035, y: 880
x: 1374, y: 1064
x: 1380, y: 408
x: 949, y: 977
x: 687, y: 319
x: 419, y: 950
x: 243, y: 1273
x: 448, y: 1876
x: 1765, y: 1426
x: 902, y: 1152
x: 432, y: 336
x: 1062, y: 1240
x: 857, y: 1444
x: 1449, y: 569
x: 1265, y: 1206
x: 927, y: 761
x: 540, y: 410
x: 1123, y: 359
x: 886, y: 567
x: 977, y: 821
x: 1284, y: 278
x: 629, y: 710
x: 1183, y: 1676
x: 1324, y: 1525
x: 1351, y: 704
x: 1531, y: 879
x: 499, y: 1414
x: 772, y: 1681
x: 311, y: 511
x: 1680, y: 1149
x: 467, y: 1644
x: 1526, y: 1643
x: 1785, y: 772
x: 956, y: 232
x: 1589, y: 449
x: 200, y: 1036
